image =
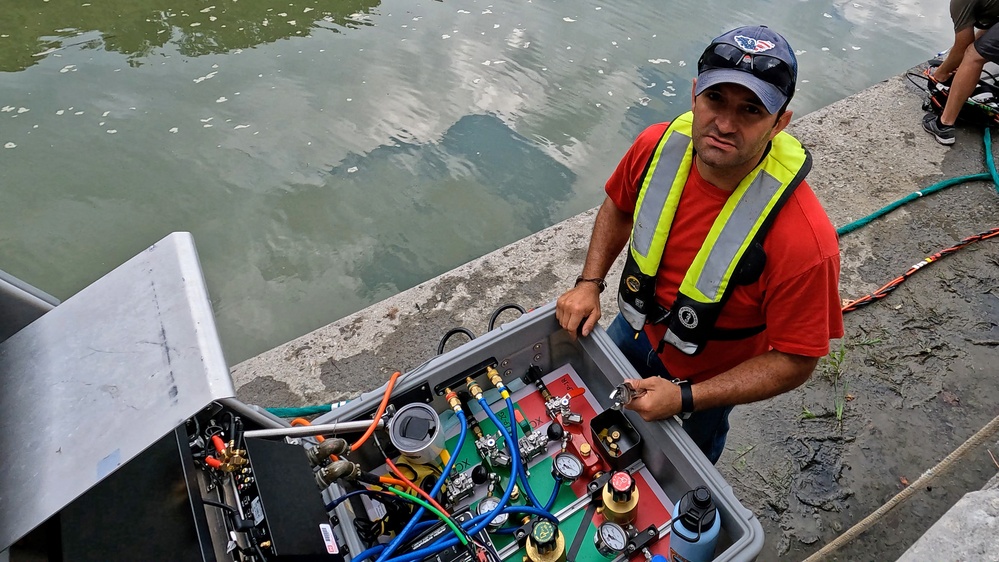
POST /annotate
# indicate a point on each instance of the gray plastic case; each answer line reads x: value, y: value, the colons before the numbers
x: 537, y: 339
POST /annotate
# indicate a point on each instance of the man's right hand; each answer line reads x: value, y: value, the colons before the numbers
x: 578, y: 309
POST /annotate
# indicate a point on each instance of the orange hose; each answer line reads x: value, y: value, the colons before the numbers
x: 379, y: 413
x: 415, y: 488
x: 303, y: 421
x: 390, y: 480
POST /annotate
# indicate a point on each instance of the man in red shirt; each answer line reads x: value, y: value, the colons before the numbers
x: 730, y: 292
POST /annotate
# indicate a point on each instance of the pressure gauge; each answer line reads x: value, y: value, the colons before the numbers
x: 489, y: 503
x: 567, y: 467
x: 611, y: 539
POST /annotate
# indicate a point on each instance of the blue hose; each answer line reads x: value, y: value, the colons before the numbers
x: 481, y: 521
x: 397, y: 541
x: 368, y: 554
x: 522, y: 472
x: 551, y: 500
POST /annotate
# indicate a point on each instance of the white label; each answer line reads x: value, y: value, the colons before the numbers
x: 327, y: 531
x: 257, y: 510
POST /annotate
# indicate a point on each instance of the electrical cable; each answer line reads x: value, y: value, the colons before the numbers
x: 391, y: 481
x: 397, y: 541
x: 459, y: 532
x: 381, y: 411
x: 220, y: 505
x: 362, y: 492
x: 409, y: 483
x: 500, y: 310
x: 451, y: 332
x: 894, y: 283
x: 522, y: 509
x: 850, y: 227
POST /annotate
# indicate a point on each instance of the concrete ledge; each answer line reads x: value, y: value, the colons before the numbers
x: 969, y: 531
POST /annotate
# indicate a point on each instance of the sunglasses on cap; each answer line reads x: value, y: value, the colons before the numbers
x: 771, y: 70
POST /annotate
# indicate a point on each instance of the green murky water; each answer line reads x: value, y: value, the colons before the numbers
x: 326, y: 155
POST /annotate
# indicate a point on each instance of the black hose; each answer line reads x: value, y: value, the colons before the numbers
x: 498, y: 311
x: 451, y: 332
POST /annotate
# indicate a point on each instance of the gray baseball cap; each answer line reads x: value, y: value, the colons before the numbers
x: 755, y: 57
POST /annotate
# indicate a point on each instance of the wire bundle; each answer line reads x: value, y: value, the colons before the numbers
x: 894, y: 283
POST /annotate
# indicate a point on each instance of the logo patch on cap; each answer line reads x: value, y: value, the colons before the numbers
x: 753, y: 45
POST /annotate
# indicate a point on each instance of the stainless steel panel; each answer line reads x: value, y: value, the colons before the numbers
x: 102, y: 376
x: 20, y: 304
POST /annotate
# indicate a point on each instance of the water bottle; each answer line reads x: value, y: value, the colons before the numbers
x: 696, y: 524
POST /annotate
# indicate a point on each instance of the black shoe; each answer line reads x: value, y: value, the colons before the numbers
x: 943, y: 133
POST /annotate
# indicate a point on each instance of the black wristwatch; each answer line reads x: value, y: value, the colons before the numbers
x: 598, y: 281
x: 686, y: 398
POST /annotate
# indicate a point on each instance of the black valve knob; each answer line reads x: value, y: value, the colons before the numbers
x: 621, y: 486
x: 544, y: 536
x: 480, y: 474
x: 555, y: 431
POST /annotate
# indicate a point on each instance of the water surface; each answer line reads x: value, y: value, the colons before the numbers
x: 326, y: 155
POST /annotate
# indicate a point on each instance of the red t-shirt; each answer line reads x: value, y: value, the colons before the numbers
x: 796, y: 297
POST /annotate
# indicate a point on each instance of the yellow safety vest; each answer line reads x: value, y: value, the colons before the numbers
x: 731, y: 249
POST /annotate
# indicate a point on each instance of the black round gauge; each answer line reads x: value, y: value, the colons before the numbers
x: 611, y: 539
x: 567, y: 467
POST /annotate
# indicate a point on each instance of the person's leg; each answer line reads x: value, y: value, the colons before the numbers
x: 708, y: 429
x: 965, y: 81
x: 638, y: 351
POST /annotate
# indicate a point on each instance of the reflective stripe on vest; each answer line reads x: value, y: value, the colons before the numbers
x: 743, y: 219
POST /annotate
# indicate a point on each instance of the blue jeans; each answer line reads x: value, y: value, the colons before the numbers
x: 707, y: 428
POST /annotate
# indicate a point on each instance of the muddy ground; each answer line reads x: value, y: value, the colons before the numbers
x: 914, y: 377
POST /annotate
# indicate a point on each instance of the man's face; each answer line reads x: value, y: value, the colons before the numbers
x: 731, y: 129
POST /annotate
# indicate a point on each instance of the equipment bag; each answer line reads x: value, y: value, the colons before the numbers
x: 981, y: 108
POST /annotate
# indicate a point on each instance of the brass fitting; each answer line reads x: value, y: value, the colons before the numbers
x: 473, y: 387
x: 231, y: 457
x: 452, y: 400
x: 495, y: 378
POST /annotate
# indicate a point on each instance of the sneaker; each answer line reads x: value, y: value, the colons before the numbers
x: 943, y: 133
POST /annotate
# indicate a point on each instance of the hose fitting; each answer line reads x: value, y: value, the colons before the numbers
x: 495, y: 378
x: 452, y: 400
x: 335, y: 471
x: 333, y: 446
x: 473, y: 388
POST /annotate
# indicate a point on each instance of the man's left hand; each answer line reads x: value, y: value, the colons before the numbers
x: 660, y: 401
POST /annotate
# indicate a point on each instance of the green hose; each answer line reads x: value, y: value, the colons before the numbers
x: 300, y: 412
x: 990, y: 175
